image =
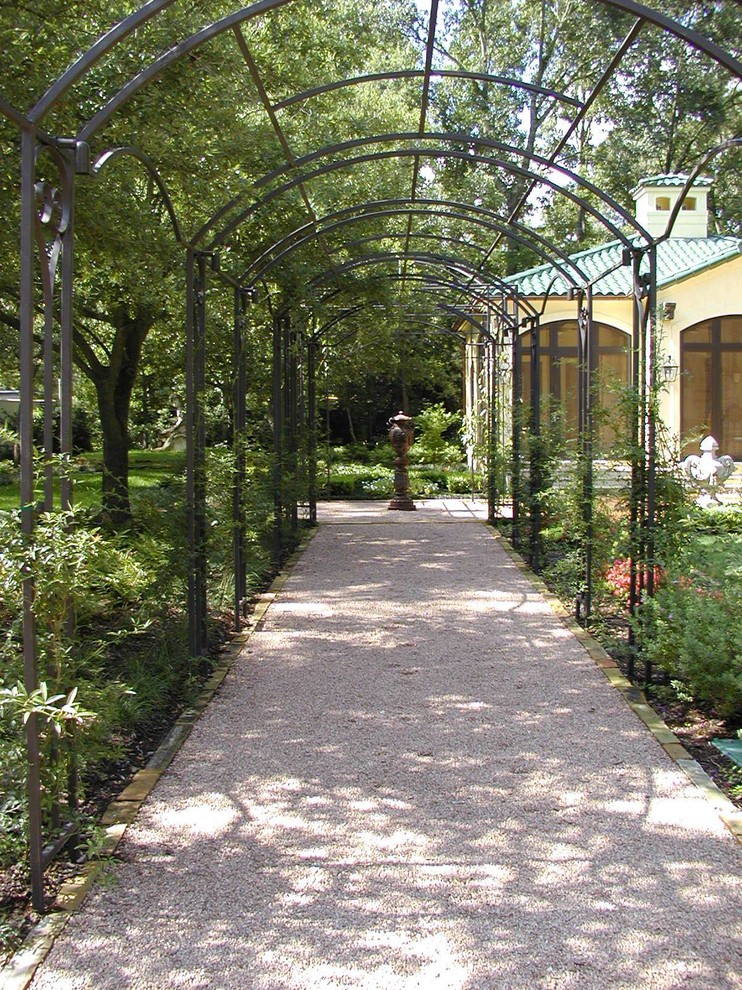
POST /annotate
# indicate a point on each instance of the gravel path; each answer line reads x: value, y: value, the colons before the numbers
x: 414, y: 776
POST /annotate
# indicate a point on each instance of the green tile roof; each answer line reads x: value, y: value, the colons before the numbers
x: 674, y: 180
x: 677, y: 258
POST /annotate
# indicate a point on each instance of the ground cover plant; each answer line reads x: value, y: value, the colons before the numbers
x: 437, y: 463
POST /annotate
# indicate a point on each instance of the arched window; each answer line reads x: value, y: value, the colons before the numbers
x: 711, y: 383
x: 558, y: 358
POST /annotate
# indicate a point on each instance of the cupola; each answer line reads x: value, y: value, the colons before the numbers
x: 656, y: 198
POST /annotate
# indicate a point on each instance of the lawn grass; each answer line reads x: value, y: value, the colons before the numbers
x: 146, y: 468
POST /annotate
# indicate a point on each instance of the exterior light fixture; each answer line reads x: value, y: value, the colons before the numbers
x: 667, y: 311
x: 669, y: 369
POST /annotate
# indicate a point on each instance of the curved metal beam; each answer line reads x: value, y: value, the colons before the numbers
x: 462, y: 288
x: 467, y: 288
x: 489, y: 220
x: 254, y: 275
x: 108, y: 157
x: 262, y: 6
x: 428, y: 329
x: 711, y: 153
x: 103, y: 45
x: 465, y: 139
x: 12, y: 113
x: 172, y: 55
x: 451, y: 262
x: 309, y: 94
x: 391, y: 235
x: 433, y: 153
x: 693, y: 38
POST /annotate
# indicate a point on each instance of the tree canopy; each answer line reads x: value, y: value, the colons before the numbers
x: 332, y: 194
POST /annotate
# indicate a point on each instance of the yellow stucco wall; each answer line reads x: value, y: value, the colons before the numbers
x: 714, y: 292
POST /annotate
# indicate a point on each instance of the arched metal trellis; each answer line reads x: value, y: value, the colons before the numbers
x: 51, y: 165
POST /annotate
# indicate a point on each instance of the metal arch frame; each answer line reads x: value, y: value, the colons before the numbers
x: 466, y: 139
x: 428, y: 71
x: 32, y: 135
x: 451, y: 262
x: 397, y: 234
x: 352, y: 311
x: 108, y: 157
x: 309, y: 94
x: 466, y: 288
x: 420, y: 152
x: 417, y: 207
x: 696, y: 171
x: 128, y: 24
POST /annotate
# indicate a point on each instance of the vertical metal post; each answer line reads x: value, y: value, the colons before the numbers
x: 292, y: 395
x: 492, y: 362
x: 196, y: 450
x: 28, y: 220
x: 65, y: 342
x: 637, y: 454
x: 517, y: 425
x: 48, y: 257
x: 536, y: 479
x: 312, y: 425
x: 277, y: 380
x: 239, y: 414
x: 651, y: 447
x: 586, y: 367
x: 65, y: 418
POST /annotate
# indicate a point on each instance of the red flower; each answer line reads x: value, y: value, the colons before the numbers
x: 618, y: 577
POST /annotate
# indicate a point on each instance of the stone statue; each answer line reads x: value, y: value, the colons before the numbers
x: 401, y: 436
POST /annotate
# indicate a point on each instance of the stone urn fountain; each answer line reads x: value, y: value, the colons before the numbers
x: 708, y: 472
x: 401, y: 437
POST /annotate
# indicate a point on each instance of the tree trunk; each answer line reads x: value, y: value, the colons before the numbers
x: 114, y: 384
x: 115, y: 430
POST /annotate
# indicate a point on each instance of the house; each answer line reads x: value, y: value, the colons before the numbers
x: 699, y: 321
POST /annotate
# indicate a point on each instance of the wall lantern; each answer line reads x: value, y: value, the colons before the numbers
x: 669, y: 370
x: 667, y: 311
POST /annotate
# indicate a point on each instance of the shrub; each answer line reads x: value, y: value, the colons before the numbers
x: 358, y: 481
x: 428, y: 481
x: 431, y: 446
x: 692, y: 632
x: 618, y: 578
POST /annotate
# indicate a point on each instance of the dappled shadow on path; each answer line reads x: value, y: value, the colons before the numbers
x: 415, y: 778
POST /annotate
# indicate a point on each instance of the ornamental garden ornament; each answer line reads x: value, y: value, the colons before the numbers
x: 401, y: 436
x: 708, y: 472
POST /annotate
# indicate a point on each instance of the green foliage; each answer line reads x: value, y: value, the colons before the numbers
x: 693, y: 633
x: 433, y: 426
x: 717, y: 521
x: 123, y: 667
x: 350, y: 481
x: 16, y: 702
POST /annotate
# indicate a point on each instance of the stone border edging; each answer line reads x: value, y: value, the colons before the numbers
x: 121, y: 812
x: 634, y: 697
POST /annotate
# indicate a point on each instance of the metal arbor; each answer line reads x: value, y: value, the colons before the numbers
x: 241, y: 246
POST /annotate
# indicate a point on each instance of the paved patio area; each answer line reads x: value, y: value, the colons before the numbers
x: 414, y: 776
